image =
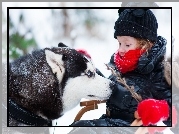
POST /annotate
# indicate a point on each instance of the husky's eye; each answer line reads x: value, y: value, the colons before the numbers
x: 90, y: 74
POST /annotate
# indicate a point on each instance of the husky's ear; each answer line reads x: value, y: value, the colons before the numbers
x: 61, y: 45
x: 56, y: 63
x: 64, y: 57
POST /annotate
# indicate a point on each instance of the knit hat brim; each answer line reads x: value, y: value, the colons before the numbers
x: 127, y: 28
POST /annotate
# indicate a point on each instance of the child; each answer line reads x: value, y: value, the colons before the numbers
x: 139, y: 60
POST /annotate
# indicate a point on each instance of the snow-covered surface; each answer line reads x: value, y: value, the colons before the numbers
x: 100, y: 50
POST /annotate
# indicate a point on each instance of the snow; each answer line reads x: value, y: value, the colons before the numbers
x: 100, y: 50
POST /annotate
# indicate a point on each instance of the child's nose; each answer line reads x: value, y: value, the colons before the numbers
x: 121, y: 51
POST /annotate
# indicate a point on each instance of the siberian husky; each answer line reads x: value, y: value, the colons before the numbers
x: 48, y: 82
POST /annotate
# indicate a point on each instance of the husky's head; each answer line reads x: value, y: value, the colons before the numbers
x: 77, y: 76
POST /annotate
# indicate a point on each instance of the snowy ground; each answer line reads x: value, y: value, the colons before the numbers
x: 101, y: 54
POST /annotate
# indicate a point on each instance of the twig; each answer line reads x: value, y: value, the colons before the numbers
x: 123, y: 81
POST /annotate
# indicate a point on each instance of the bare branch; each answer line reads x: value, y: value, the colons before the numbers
x: 123, y: 81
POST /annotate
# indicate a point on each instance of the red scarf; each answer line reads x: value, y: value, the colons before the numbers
x: 129, y: 61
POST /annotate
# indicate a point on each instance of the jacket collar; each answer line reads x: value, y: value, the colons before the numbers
x: 148, y: 61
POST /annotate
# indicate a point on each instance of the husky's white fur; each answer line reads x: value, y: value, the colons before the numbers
x: 82, y: 86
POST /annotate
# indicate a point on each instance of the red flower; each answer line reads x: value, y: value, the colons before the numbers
x: 84, y: 52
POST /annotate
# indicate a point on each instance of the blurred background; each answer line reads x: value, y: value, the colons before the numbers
x: 90, y: 29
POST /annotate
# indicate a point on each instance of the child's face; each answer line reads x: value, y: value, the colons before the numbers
x: 126, y: 43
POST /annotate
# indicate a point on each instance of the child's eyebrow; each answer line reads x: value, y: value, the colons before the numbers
x: 128, y: 42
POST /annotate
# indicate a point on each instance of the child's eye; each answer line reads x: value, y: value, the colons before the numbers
x: 127, y: 45
x: 119, y: 44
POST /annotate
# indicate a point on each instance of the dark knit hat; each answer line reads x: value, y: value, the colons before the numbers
x: 138, y: 23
